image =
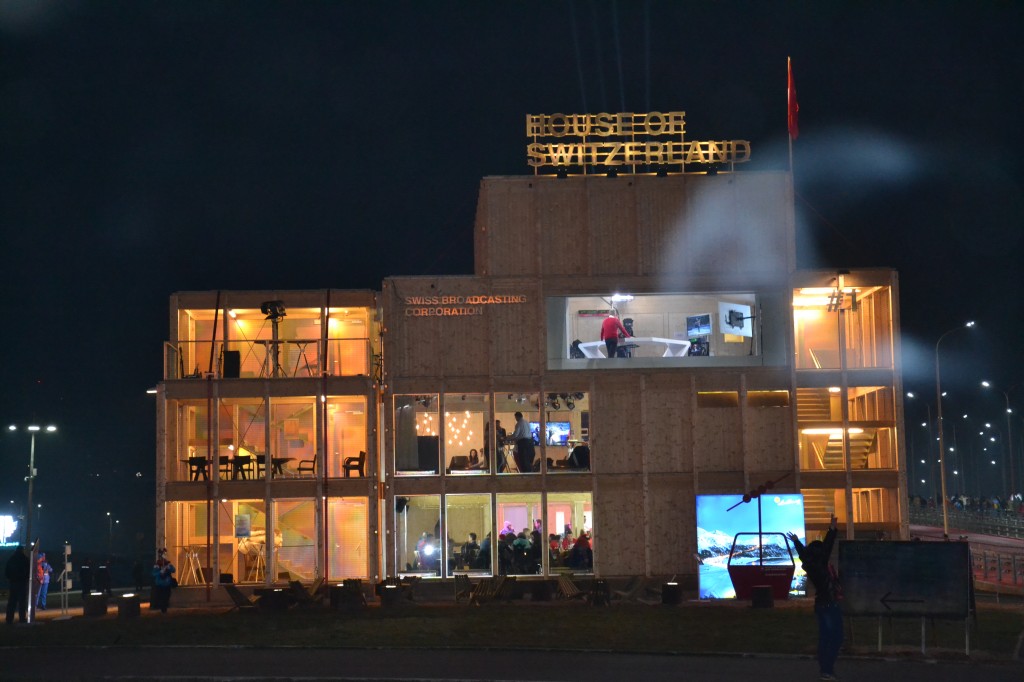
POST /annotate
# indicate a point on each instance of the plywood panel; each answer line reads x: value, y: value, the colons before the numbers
x: 616, y: 445
x: 769, y: 438
x: 511, y: 227
x: 619, y: 532
x: 717, y: 439
x: 667, y: 424
x: 562, y: 217
x: 672, y: 520
x: 611, y: 216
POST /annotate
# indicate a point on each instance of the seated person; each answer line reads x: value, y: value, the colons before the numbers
x: 580, y: 457
x: 470, y: 550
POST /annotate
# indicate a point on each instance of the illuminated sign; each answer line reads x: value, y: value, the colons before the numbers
x: 584, y: 151
x: 8, y: 526
x: 456, y: 306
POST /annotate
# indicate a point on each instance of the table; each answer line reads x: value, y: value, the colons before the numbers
x: 240, y: 466
x: 672, y: 348
x: 276, y: 465
x: 197, y: 466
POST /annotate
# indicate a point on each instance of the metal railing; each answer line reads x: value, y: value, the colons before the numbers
x: 266, y: 358
x: 1006, y: 524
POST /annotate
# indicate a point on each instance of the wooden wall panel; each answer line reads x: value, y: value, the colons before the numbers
x: 672, y: 520
x: 562, y: 218
x: 611, y: 211
x: 516, y: 331
x: 616, y: 445
x: 717, y: 439
x: 667, y: 424
x: 722, y: 483
x: 769, y: 438
x: 661, y: 207
x: 619, y: 526
x: 511, y: 227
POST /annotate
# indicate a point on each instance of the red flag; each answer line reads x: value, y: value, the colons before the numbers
x: 793, y: 107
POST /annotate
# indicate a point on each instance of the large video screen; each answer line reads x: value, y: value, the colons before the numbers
x: 717, y: 526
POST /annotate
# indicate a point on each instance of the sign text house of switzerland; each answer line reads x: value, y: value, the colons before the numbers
x: 592, y: 141
x: 455, y: 306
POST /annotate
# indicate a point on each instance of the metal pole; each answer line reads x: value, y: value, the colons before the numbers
x: 942, y: 453
x: 1009, y: 449
x: 30, y: 611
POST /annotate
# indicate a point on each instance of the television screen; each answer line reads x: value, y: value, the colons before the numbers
x: 717, y: 527
x: 557, y: 433
x: 698, y: 325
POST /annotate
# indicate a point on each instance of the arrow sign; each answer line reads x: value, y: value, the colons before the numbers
x: 886, y: 601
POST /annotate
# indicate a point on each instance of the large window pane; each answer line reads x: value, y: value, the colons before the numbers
x: 418, y: 535
x: 347, y: 537
x: 517, y: 455
x: 187, y: 541
x: 294, y: 540
x: 292, y: 435
x: 520, y: 536
x: 567, y: 432
x: 569, y: 533
x: 346, y: 437
x: 468, y: 519
x: 242, y: 437
x: 417, y: 434
x: 466, y: 432
x: 243, y: 528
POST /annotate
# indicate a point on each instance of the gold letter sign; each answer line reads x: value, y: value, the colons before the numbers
x: 585, y: 151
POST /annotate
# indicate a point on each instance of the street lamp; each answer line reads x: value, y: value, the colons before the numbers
x: 32, y: 429
x: 942, y: 454
x: 1009, y: 436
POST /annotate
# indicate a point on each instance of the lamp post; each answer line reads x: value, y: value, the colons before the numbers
x: 32, y: 429
x: 1009, y: 436
x: 942, y: 453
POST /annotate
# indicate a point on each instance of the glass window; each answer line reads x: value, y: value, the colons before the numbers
x: 293, y: 436
x: 466, y: 433
x: 243, y: 533
x: 520, y: 535
x: 418, y: 532
x: 294, y: 555
x: 347, y: 537
x: 417, y: 434
x: 569, y: 533
x: 871, y: 435
x: 468, y: 519
x: 867, y: 319
x: 567, y: 432
x: 655, y: 327
x: 346, y: 437
x: 348, y: 345
x: 517, y: 454
x: 242, y: 438
x: 187, y: 541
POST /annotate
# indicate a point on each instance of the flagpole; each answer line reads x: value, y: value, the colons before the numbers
x: 789, y: 109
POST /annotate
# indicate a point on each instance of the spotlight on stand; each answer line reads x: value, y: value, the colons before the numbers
x: 612, y: 172
x: 274, y: 310
x: 561, y: 172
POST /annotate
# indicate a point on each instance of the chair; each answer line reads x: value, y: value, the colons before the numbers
x: 197, y: 466
x: 567, y: 589
x: 485, y: 590
x: 242, y: 602
x: 463, y: 587
x: 307, y: 466
x: 354, y: 464
x: 304, y: 597
x: 632, y: 590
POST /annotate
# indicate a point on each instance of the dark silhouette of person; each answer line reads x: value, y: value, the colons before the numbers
x: 138, y: 575
x: 85, y: 577
x: 17, y: 571
x: 827, y: 597
x: 103, y: 577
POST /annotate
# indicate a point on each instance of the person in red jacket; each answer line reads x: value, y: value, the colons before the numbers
x: 610, y: 330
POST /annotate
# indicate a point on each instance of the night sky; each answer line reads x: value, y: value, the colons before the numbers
x: 154, y: 147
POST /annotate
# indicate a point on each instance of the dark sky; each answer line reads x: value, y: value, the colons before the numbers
x: 154, y: 147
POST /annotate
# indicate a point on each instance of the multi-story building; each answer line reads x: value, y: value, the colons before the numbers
x: 359, y: 434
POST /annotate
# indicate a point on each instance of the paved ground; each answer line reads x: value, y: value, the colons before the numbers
x: 218, y: 663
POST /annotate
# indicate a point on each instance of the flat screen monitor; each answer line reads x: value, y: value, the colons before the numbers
x: 698, y: 325
x: 717, y: 525
x: 557, y: 433
x: 735, y: 318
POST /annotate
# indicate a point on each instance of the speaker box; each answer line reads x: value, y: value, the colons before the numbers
x: 232, y: 364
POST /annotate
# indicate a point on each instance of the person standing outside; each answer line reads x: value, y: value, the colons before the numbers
x: 163, y: 581
x: 524, y: 444
x: 828, y: 593
x: 43, y: 571
x: 610, y: 330
x: 17, y: 572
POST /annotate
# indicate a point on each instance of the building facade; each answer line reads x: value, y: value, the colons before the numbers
x: 336, y: 434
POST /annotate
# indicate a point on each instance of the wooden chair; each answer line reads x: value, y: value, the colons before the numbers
x: 463, y: 587
x: 354, y: 464
x: 633, y: 589
x: 567, y: 588
x: 486, y: 589
x: 242, y: 602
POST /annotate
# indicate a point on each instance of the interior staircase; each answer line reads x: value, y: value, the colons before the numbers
x: 819, y: 506
x: 813, y: 405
